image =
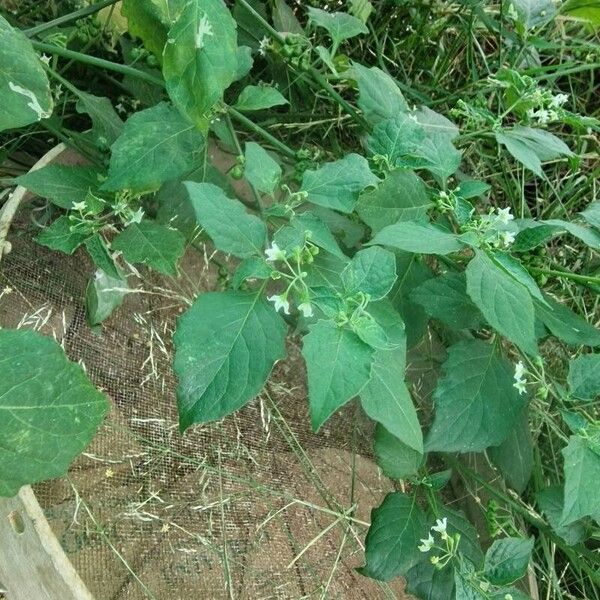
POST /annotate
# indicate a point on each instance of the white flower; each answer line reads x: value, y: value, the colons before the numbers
x: 558, y: 100
x: 507, y: 237
x: 80, y: 206
x: 280, y: 302
x: 504, y: 215
x: 520, y: 381
x: 543, y: 116
x: 136, y: 217
x: 264, y: 45
x: 440, y: 525
x: 427, y: 544
x: 45, y: 59
x: 274, y: 252
x: 306, y: 309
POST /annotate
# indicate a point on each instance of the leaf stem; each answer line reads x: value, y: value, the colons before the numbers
x: 585, y: 279
x: 78, y: 14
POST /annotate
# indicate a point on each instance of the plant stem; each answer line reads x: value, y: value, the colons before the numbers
x: 585, y: 279
x: 78, y: 14
x: 97, y: 62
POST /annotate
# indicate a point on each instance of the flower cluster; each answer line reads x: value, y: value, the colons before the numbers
x: 448, y: 549
x: 492, y: 228
x: 520, y: 381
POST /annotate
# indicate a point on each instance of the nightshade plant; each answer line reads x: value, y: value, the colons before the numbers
x: 355, y: 251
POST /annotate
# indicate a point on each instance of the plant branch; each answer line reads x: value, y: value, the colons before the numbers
x: 585, y: 279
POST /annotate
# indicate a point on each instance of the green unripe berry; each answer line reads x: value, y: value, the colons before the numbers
x: 237, y: 172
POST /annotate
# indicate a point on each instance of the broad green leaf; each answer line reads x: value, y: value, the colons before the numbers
x: 371, y: 271
x: 476, y: 405
x: 361, y: 9
x: 338, y: 365
x: 582, y: 473
x: 551, y: 501
x: 49, y: 410
x: 532, y: 146
x: 156, y: 145
x: 245, y: 62
x: 586, y: 10
x: 24, y: 87
x: 426, y: 581
x: 401, y: 196
x: 584, y: 376
x: 565, y: 324
x: 348, y: 230
x: 62, y: 236
x: 387, y: 400
x: 326, y: 271
x: 445, y: 298
x: 531, y: 237
x: 592, y: 212
x: 152, y: 244
x: 284, y: 18
x: 200, y: 59
x: 371, y: 332
x: 379, y: 97
x: 396, y: 138
x: 506, y: 560
x: 395, y: 532
x: 505, y: 303
x: 225, y: 347
x: 518, y: 272
x: 514, y: 457
x: 436, y: 123
x: 533, y: 13
x: 231, y: 227
x: 100, y: 255
x: 466, y: 585
x: 437, y: 155
x: 320, y: 234
x: 585, y: 234
x: 106, y: 123
x: 289, y: 239
x: 251, y: 268
x: 468, y: 545
x: 259, y: 97
x: 340, y: 26
x: 337, y: 184
x: 104, y: 294
x: 420, y: 238
x: 260, y: 169
x: 63, y: 185
x: 412, y: 272
x: 472, y: 188
x: 395, y: 458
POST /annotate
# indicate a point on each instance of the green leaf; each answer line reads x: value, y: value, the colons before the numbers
x: 531, y: 237
x: 156, y: 145
x: 340, y: 26
x: 254, y: 267
x: 420, y: 238
x: 533, y: 13
x: 371, y: 271
x: 62, y: 236
x: 436, y: 123
x: 426, y: 581
x: 337, y: 184
x: 395, y: 532
x: 326, y: 271
x: 532, y: 146
x: 261, y: 171
x: 518, y: 272
x: 49, y: 410
x: 396, y: 138
x: 230, y: 226
x: 586, y: 10
x: 379, y: 97
x: 584, y: 376
x: 104, y: 294
x: 151, y: 244
x: 395, y: 458
x: 585, y: 234
x: 476, y: 405
x: 514, y: 457
x: 504, y: 302
x: 284, y: 18
x: 107, y: 125
x: 437, y: 155
x: 592, y: 212
x: 245, y: 62
x: 565, y: 324
x: 361, y: 9
x: 24, y: 87
x: 401, y: 196
x: 445, y: 298
x: 225, y: 347
x: 582, y: 473
x: 338, y: 365
x: 200, y: 59
x: 100, y: 255
x: 506, y: 560
x: 259, y: 97
x: 551, y: 502
x: 320, y: 234
x: 63, y: 185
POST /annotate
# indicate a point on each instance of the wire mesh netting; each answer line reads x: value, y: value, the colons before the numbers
x: 254, y: 506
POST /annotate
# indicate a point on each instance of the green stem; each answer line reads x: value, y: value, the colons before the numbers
x: 78, y: 14
x: 97, y: 62
x: 585, y: 279
x: 276, y: 35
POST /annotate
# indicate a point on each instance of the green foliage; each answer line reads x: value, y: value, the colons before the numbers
x: 259, y: 97
x: 584, y: 376
x: 506, y: 560
x: 49, y: 410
